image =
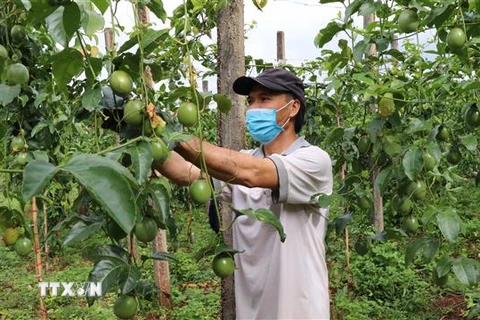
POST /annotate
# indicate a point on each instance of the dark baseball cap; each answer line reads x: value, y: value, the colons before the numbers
x: 274, y: 79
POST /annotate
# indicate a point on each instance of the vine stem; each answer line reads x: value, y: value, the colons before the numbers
x: 11, y: 171
x: 190, y: 77
x: 129, y: 142
x: 140, y: 48
x: 468, y: 53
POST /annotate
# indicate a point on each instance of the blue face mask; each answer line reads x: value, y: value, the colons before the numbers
x: 262, y: 124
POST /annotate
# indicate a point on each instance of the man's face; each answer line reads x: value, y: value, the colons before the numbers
x: 261, y: 97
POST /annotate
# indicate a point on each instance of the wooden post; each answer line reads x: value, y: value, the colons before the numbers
x: 109, y: 39
x: 370, y: 18
x: 231, y: 127
x: 205, y: 86
x: 395, y: 42
x: 281, y: 47
x: 160, y: 268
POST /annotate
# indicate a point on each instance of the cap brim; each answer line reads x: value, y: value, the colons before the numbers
x: 244, y: 85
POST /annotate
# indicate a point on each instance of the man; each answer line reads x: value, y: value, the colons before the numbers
x: 273, y: 280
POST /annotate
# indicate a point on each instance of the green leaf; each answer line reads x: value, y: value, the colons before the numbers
x: 81, y: 231
x: 39, y: 11
x: 474, y: 312
x: 71, y: 19
x: 55, y: 26
x: 449, y: 224
x: 444, y: 265
x: 391, y: 146
x: 363, y: 77
x: 161, y: 203
x: 326, y: 34
x: 470, y: 85
x: 199, y: 4
x: 41, y: 97
x: 156, y: 6
x: 223, y: 102
x: 147, y: 291
x: 467, y: 271
x: 434, y: 150
x: 152, y: 39
x: 412, y: 248
x: 342, y: 222
x: 413, y: 162
x: 395, y: 233
x: 209, y: 249
x: 128, y: 44
x: 359, y: 50
x: 91, y: 99
x: 102, y: 5
x: 142, y: 158
x: 438, y: 16
x: 383, y: 178
x: 324, y: 200
x: 395, y: 53
x: 39, y: 127
x: 352, y: 9
x: 417, y: 125
x: 65, y: 65
x: 8, y: 93
x: 107, y: 272
x: 36, y: 175
x: 108, y: 252
x: 265, y: 216
x: 470, y: 142
x: 373, y: 129
x: 129, y: 278
x: 331, y: 1
x: 333, y: 136
x: 11, y: 204
x: 110, y: 184
x: 163, y: 256
x: 430, y: 248
x: 92, y: 22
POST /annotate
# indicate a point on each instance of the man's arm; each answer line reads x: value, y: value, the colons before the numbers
x: 229, y: 165
x: 178, y: 170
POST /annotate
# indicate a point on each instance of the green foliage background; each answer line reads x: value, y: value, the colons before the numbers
x: 76, y: 141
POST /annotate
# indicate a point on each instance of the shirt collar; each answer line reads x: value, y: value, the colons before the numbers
x: 300, y: 142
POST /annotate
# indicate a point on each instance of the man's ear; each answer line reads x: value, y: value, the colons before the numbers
x: 295, y: 108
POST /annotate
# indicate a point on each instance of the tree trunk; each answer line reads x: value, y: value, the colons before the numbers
x: 231, y: 127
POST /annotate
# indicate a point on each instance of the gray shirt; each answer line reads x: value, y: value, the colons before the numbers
x: 288, y: 280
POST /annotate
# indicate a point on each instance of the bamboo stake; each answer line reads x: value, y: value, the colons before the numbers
x: 45, y: 233
x: 38, y: 255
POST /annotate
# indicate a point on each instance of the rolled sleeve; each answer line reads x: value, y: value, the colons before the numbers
x: 302, y: 174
